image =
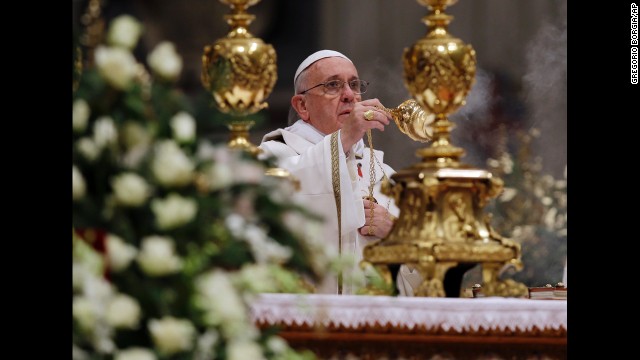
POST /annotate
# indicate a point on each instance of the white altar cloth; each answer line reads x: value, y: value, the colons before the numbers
x: 456, y: 314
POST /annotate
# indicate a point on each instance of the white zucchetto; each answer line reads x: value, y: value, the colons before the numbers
x: 321, y: 54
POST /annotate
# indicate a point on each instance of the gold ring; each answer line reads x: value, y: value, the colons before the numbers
x: 368, y: 115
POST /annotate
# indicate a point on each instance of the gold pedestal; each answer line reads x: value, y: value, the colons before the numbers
x: 442, y: 231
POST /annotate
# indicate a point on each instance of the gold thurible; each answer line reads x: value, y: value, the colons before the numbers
x: 412, y: 120
x: 240, y: 71
x: 442, y: 230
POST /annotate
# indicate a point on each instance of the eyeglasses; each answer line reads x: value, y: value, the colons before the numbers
x: 333, y: 87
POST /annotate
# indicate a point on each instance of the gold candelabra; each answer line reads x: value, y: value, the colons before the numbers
x: 239, y: 70
x: 442, y: 230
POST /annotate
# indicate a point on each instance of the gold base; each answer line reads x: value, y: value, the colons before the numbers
x: 442, y: 231
x: 433, y: 259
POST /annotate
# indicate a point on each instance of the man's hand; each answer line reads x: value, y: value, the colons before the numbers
x: 380, y: 224
x: 357, y: 125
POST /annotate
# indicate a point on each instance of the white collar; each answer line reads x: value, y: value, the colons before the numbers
x: 313, y: 135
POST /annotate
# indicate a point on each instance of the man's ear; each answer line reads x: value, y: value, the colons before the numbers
x: 298, y: 103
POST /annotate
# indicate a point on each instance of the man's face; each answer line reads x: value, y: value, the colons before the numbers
x: 327, y: 112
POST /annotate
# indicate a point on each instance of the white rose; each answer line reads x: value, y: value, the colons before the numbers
x: 157, y: 256
x: 170, y: 165
x: 174, y: 211
x: 277, y: 345
x: 79, y: 188
x: 235, y: 223
x: 263, y: 248
x: 132, y: 158
x: 205, y: 345
x: 165, y: 61
x: 244, y: 349
x: 124, y: 31
x: 258, y: 278
x: 89, y: 311
x: 78, y: 354
x: 135, y: 353
x: 119, y: 253
x: 78, y: 272
x: 88, y: 148
x: 244, y: 205
x: 116, y: 65
x: 130, y: 189
x: 316, y: 245
x: 219, y: 176
x: 84, y: 312
x: 171, y: 335
x: 123, y: 311
x: 104, y: 132
x: 136, y: 140
x: 217, y: 296
x: 98, y: 289
x: 206, y: 150
x: 248, y: 172
x: 81, y: 114
x: 134, y: 134
x: 184, y: 127
x: 91, y: 261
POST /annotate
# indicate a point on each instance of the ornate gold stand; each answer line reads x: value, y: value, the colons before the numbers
x: 240, y: 71
x: 441, y: 230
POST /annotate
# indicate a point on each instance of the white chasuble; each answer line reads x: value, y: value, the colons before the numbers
x: 306, y: 154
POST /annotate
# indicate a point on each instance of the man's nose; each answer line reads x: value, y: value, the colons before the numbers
x: 346, y: 94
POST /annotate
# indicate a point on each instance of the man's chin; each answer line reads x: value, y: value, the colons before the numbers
x: 341, y: 119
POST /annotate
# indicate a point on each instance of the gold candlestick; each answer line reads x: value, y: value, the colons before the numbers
x: 441, y: 230
x: 239, y: 71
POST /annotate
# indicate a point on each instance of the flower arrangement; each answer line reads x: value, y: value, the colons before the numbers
x: 532, y: 210
x: 173, y: 235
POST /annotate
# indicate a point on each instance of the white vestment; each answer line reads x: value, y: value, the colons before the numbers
x: 306, y: 153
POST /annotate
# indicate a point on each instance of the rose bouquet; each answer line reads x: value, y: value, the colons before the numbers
x: 173, y: 235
